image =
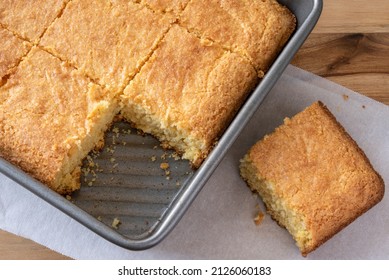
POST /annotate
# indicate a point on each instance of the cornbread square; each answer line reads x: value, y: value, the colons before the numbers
x: 257, y: 29
x: 312, y: 177
x: 51, y: 116
x: 12, y: 49
x: 174, y: 7
x: 29, y: 19
x: 187, y: 93
x: 108, y: 40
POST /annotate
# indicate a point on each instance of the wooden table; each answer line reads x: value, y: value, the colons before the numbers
x: 350, y: 46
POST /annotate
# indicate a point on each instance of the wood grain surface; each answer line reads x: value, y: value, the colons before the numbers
x: 350, y: 46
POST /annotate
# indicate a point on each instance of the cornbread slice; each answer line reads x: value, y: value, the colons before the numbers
x: 257, y: 29
x: 108, y: 40
x: 187, y: 93
x: 174, y: 7
x: 29, y: 19
x: 12, y: 49
x: 312, y: 177
x: 51, y: 116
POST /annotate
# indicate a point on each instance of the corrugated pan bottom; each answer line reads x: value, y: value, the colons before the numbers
x: 131, y: 182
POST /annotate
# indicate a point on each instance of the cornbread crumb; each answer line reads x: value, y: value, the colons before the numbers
x: 164, y: 165
x: 312, y: 177
x: 115, y: 223
x: 176, y: 156
x: 153, y: 158
x: 259, y: 218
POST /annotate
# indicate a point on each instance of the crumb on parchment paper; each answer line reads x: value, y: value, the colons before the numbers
x: 259, y: 218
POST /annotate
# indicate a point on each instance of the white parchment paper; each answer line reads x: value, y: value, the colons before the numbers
x: 219, y: 224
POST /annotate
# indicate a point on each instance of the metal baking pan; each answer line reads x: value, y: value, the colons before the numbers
x: 125, y: 182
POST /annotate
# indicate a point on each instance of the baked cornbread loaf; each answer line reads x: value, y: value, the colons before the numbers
x: 70, y: 66
x: 12, y: 49
x: 29, y: 19
x: 312, y: 177
x: 108, y: 40
x: 256, y: 29
x: 50, y: 118
x: 187, y: 93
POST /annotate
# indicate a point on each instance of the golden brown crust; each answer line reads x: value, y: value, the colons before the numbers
x: 318, y: 171
x: 47, y: 114
x: 28, y: 18
x: 192, y: 86
x: 12, y: 49
x: 107, y: 40
x: 257, y: 29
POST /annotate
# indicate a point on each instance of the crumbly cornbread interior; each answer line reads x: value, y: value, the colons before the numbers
x: 312, y: 176
x: 139, y: 58
x: 276, y: 206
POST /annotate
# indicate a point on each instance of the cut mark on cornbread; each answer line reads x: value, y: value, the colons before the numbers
x: 108, y: 41
x: 172, y: 8
x: 66, y: 116
x: 12, y: 51
x: 29, y: 19
x: 255, y: 29
x: 187, y: 92
x: 312, y: 177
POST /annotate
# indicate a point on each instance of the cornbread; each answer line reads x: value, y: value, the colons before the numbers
x: 12, y: 49
x: 107, y: 40
x: 85, y: 61
x: 257, y: 29
x: 312, y: 177
x: 50, y: 118
x: 187, y: 93
x: 29, y: 19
